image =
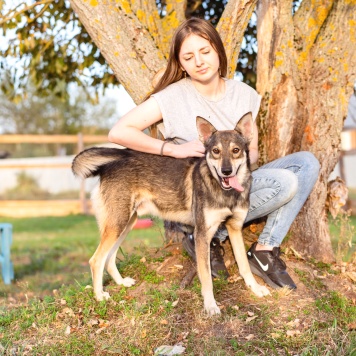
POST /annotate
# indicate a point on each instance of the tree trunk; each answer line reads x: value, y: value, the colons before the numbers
x: 306, y: 64
x: 304, y: 72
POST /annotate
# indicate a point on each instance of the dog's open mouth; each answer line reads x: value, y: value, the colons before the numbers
x: 231, y: 183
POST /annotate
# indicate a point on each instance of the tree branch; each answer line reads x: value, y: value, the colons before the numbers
x: 232, y: 27
x: 308, y: 21
x: 124, y: 41
x: 175, y: 15
x: 8, y: 17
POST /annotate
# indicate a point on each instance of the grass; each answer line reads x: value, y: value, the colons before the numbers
x: 343, y: 235
x: 48, y: 252
x: 51, y: 310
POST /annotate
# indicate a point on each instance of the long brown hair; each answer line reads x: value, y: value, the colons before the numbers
x: 174, y: 71
x: 198, y: 27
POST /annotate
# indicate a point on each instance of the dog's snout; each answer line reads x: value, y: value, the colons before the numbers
x: 226, y: 171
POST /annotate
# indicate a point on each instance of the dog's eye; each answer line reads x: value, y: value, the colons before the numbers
x: 216, y: 151
x: 236, y: 150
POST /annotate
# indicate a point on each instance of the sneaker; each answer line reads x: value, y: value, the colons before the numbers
x: 270, y: 267
x: 218, y: 268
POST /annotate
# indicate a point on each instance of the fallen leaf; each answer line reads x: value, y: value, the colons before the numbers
x: 143, y: 259
x: 294, y: 323
x: 63, y: 302
x: 352, y: 326
x: 249, y: 337
x: 103, y: 323
x: 178, y: 266
x: 68, y: 311
x: 337, y: 196
x: 249, y: 313
x: 143, y: 333
x: 292, y: 333
x: 164, y: 322
x: 67, y: 330
x: 169, y: 350
x: 253, y: 228
x: 297, y: 254
x: 183, y: 336
x: 128, y: 297
x: 235, y: 307
x: 251, y: 318
x: 234, y: 278
x: 93, y: 322
x: 174, y: 304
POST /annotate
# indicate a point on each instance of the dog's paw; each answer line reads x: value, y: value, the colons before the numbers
x: 102, y: 296
x: 128, y: 282
x: 260, y: 291
x: 212, y: 309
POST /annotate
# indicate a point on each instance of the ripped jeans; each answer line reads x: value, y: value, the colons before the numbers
x: 279, y: 190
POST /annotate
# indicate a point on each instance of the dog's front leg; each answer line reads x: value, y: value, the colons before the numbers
x: 202, y: 248
x: 234, y: 228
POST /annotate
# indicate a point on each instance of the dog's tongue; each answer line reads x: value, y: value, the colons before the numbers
x: 235, y: 184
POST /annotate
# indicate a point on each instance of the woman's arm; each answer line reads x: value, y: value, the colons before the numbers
x: 128, y: 132
x: 253, y: 147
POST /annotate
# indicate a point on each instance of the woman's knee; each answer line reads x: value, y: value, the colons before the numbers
x: 309, y: 162
x: 288, y: 184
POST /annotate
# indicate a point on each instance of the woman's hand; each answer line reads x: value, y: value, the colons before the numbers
x: 190, y: 149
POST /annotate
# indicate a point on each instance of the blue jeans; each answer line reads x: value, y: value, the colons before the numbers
x: 279, y: 190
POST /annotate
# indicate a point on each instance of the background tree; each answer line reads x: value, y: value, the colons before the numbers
x: 31, y: 113
x: 306, y: 66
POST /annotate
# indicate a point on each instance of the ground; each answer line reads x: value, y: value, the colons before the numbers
x: 165, y: 308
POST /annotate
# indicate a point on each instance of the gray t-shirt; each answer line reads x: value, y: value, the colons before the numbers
x: 180, y: 104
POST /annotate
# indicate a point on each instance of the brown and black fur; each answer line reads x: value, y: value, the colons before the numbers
x: 189, y: 191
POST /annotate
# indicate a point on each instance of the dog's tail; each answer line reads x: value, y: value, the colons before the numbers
x: 88, y: 162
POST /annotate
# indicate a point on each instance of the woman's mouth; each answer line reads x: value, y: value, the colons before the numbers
x: 202, y: 71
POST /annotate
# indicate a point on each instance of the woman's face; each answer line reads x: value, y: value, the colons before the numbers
x: 199, y: 59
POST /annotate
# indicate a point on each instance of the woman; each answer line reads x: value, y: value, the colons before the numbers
x: 194, y: 84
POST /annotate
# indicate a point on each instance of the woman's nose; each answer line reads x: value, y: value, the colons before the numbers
x: 198, y: 60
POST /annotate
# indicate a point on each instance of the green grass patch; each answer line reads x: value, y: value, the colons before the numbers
x: 48, y: 252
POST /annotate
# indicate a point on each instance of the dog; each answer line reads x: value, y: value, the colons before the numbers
x: 200, y: 192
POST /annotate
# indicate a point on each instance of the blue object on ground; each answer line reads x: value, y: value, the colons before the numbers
x: 7, y: 268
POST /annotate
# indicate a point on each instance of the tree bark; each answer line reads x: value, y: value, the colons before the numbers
x: 231, y: 28
x: 305, y: 70
x: 124, y: 41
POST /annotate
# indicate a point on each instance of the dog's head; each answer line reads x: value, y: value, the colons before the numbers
x: 227, y: 151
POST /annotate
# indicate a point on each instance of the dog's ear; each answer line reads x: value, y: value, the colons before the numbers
x: 245, y: 126
x: 205, y: 129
